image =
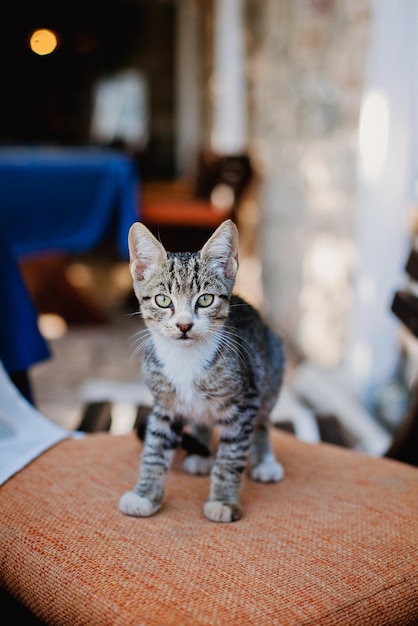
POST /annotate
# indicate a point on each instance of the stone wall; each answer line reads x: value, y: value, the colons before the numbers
x: 306, y: 68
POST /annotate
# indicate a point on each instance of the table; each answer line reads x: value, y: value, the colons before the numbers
x: 66, y: 199
x: 54, y: 200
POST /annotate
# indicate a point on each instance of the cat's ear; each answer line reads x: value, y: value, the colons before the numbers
x: 221, y: 250
x: 145, y: 251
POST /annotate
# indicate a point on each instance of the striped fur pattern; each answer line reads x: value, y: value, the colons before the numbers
x: 210, y: 361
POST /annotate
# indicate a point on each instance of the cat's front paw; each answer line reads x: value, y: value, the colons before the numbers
x: 269, y: 471
x: 198, y: 465
x: 217, y: 511
x: 133, y: 504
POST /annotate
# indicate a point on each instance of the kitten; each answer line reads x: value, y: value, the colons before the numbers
x: 210, y: 361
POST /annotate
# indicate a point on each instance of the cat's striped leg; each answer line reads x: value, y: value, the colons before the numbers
x: 263, y: 464
x: 161, y: 439
x: 226, y: 476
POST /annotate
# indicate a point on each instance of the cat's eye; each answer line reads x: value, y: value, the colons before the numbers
x: 205, y: 300
x: 163, y: 301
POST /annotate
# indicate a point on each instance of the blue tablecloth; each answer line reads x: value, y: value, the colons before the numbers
x: 66, y: 198
x: 54, y: 199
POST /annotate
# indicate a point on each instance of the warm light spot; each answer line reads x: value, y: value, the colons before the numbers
x: 222, y: 197
x: 52, y: 326
x: 79, y: 275
x: 121, y: 276
x: 43, y: 41
x: 374, y: 134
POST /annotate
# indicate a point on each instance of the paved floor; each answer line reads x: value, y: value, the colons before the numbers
x: 82, y: 354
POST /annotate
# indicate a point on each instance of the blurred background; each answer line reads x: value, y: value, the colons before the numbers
x: 319, y: 97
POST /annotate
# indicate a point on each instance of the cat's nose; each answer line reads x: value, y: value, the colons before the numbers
x: 184, y: 327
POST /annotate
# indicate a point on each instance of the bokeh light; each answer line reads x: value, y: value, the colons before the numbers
x: 43, y: 41
x: 374, y: 134
x: 52, y: 326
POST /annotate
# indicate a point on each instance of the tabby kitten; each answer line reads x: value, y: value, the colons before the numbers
x: 209, y: 361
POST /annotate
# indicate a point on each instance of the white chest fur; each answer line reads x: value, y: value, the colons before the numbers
x: 182, y: 364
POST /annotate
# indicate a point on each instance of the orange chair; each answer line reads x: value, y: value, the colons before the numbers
x: 334, y: 543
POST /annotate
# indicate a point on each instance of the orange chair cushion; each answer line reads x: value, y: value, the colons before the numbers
x: 334, y: 543
x: 192, y: 212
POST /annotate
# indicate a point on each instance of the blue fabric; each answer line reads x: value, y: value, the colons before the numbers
x: 66, y: 199
x: 54, y: 199
x: 21, y: 343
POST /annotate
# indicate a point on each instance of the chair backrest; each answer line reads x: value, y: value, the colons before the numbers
x: 405, y: 306
x: 235, y: 171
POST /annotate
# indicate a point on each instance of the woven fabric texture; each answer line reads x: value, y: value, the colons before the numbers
x: 335, y: 543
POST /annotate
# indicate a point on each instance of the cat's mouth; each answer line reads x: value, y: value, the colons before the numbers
x: 185, y: 338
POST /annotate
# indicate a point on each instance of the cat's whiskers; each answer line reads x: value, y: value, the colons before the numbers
x: 140, y: 340
x: 247, y: 348
x: 139, y: 336
x: 136, y: 352
x: 141, y: 344
x: 239, y: 340
x: 214, y: 338
x: 133, y: 314
x: 225, y: 339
